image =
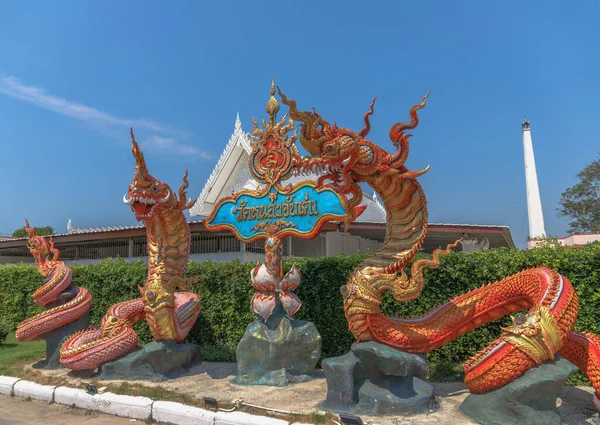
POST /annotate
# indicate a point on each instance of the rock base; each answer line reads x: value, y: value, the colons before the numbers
x: 280, y: 352
x: 156, y: 361
x: 596, y: 417
x: 55, y: 338
x: 374, y: 379
x: 528, y: 400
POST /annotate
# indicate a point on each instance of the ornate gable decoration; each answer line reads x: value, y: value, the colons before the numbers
x: 274, y: 153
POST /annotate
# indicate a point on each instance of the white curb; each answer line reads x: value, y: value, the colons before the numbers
x: 237, y: 418
x: 34, y: 391
x: 179, y: 414
x: 7, y: 383
x: 131, y: 407
x: 78, y: 398
x: 125, y: 405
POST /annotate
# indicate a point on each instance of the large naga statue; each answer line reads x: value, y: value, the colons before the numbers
x: 169, y: 314
x: 532, y: 339
x: 65, y: 303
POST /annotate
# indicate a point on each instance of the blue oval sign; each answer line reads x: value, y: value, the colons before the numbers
x: 300, y: 212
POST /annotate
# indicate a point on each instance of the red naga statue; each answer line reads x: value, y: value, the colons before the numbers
x: 349, y: 159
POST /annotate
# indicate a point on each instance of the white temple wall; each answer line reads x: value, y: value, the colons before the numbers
x: 326, y: 244
x: 340, y: 243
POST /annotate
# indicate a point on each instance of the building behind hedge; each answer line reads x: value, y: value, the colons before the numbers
x: 231, y: 173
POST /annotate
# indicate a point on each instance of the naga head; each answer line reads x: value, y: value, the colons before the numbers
x: 44, y: 252
x: 333, y: 150
x: 112, y: 325
x: 147, y: 195
x: 345, y: 156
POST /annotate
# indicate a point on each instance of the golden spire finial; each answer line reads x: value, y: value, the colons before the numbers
x: 142, y: 176
x: 272, y: 103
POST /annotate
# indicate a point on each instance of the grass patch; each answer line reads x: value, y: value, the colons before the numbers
x: 13, y: 352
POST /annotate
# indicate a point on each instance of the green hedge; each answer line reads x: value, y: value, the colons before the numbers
x: 225, y: 293
x: 5, y: 329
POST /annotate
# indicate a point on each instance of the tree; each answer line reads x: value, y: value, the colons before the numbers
x: 40, y: 231
x: 582, y: 201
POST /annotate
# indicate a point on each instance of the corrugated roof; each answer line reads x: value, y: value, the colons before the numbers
x: 362, y: 219
x: 75, y: 231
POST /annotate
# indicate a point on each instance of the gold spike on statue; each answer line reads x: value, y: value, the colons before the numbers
x: 272, y: 104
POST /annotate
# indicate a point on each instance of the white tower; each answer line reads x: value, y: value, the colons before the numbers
x: 534, y: 202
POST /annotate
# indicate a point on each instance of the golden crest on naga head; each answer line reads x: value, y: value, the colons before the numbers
x: 273, y: 151
x: 536, y: 333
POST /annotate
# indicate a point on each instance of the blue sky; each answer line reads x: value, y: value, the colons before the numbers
x: 75, y: 75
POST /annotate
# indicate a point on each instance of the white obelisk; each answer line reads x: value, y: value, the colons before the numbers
x: 534, y: 202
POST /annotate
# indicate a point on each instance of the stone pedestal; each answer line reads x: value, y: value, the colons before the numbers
x: 55, y: 338
x: 280, y: 352
x: 596, y: 417
x: 528, y: 400
x: 156, y: 361
x: 374, y: 379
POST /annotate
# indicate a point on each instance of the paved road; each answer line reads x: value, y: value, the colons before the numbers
x: 17, y: 411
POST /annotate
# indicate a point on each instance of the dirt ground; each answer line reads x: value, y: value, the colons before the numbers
x: 576, y: 405
x: 17, y: 411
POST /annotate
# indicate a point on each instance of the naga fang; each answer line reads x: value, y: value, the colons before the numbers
x: 169, y: 314
x: 65, y: 303
x: 533, y: 337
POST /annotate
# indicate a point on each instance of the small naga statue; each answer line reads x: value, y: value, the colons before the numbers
x: 169, y: 314
x: 64, y: 302
x: 349, y: 159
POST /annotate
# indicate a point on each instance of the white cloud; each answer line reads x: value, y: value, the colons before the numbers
x: 13, y: 87
x: 172, y: 144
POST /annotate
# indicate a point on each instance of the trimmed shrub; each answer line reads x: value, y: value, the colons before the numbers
x: 225, y: 292
x: 5, y: 328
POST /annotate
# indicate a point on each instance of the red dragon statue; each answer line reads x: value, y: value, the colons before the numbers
x: 169, y: 314
x: 65, y: 303
x: 533, y: 338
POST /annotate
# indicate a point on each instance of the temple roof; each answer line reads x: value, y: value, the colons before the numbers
x: 232, y: 161
x: 72, y: 230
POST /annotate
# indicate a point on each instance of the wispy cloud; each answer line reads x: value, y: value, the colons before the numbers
x: 11, y: 86
x: 171, y: 144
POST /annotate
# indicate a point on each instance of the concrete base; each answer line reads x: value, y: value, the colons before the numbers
x: 374, y: 379
x: 528, y: 400
x: 55, y: 338
x: 280, y: 352
x: 155, y: 361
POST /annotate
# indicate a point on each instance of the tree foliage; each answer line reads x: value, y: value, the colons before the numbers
x: 40, y: 231
x: 582, y: 201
